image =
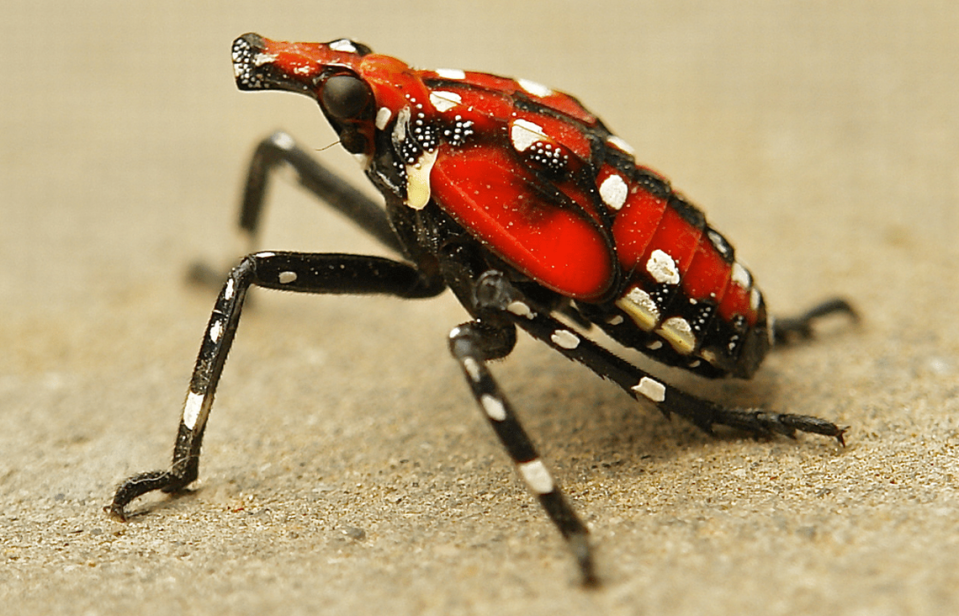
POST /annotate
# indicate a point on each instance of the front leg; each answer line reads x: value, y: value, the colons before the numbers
x: 289, y: 271
x: 280, y: 150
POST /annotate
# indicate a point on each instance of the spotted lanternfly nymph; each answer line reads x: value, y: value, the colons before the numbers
x: 520, y: 201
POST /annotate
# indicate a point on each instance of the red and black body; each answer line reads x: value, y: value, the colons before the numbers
x: 544, y: 186
x: 536, y: 216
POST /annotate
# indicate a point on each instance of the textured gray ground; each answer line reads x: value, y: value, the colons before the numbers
x: 345, y: 469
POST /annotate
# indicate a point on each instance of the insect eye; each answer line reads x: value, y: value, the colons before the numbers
x: 345, y: 96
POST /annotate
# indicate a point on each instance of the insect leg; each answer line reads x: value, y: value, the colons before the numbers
x: 289, y: 271
x: 280, y: 149
x: 473, y: 344
x: 790, y: 329
x: 497, y: 292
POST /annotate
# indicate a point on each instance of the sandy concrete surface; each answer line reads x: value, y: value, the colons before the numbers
x: 346, y: 470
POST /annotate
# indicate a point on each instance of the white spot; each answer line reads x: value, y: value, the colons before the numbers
x: 263, y: 58
x: 651, y: 388
x: 191, y: 410
x: 265, y: 254
x: 520, y: 309
x: 621, y: 144
x: 343, y: 45
x: 444, y: 101
x: 565, y: 339
x: 472, y: 368
x: 216, y: 330
x: 719, y: 243
x: 741, y: 276
x: 383, y: 116
x: 524, y: 133
x: 614, y: 191
x: 754, y: 298
x: 640, y: 307
x: 710, y: 356
x: 418, y: 180
x: 399, y: 129
x: 662, y: 268
x: 615, y: 319
x: 450, y: 73
x: 229, y: 290
x: 534, y: 88
x: 771, y: 330
x: 287, y: 277
x: 654, y: 345
x: 679, y: 334
x: 493, y: 407
x: 283, y: 141
x: 536, y: 476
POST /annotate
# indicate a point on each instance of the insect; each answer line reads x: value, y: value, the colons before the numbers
x: 533, y: 213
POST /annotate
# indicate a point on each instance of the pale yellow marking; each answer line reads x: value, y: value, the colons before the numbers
x: 418, y: 180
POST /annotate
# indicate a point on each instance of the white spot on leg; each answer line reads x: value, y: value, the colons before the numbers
x: 524, y: 134
x: 472, y: 368
x: 537, y: 477
x: 662, y: 268
x: 283, y: 141
x: 651, y: 388
x: 565, y: 339
x: 493, y: 407
x: 614, y: 191
x: 520, y: 309
x: 191, y: 410
x: 216, y: 330
x: 229, y: 290
x: 287, y: 277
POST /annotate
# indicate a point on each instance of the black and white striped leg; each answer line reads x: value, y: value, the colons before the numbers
x: 280, y: 149
x: 497, y: 293
x: 473, y: 344
x: 789, y: 329
x: 289, y: 271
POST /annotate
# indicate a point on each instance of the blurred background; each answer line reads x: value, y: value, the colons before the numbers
x: 822, y: 138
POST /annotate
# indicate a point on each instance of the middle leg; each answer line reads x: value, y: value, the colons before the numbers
x: 472, y: 345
